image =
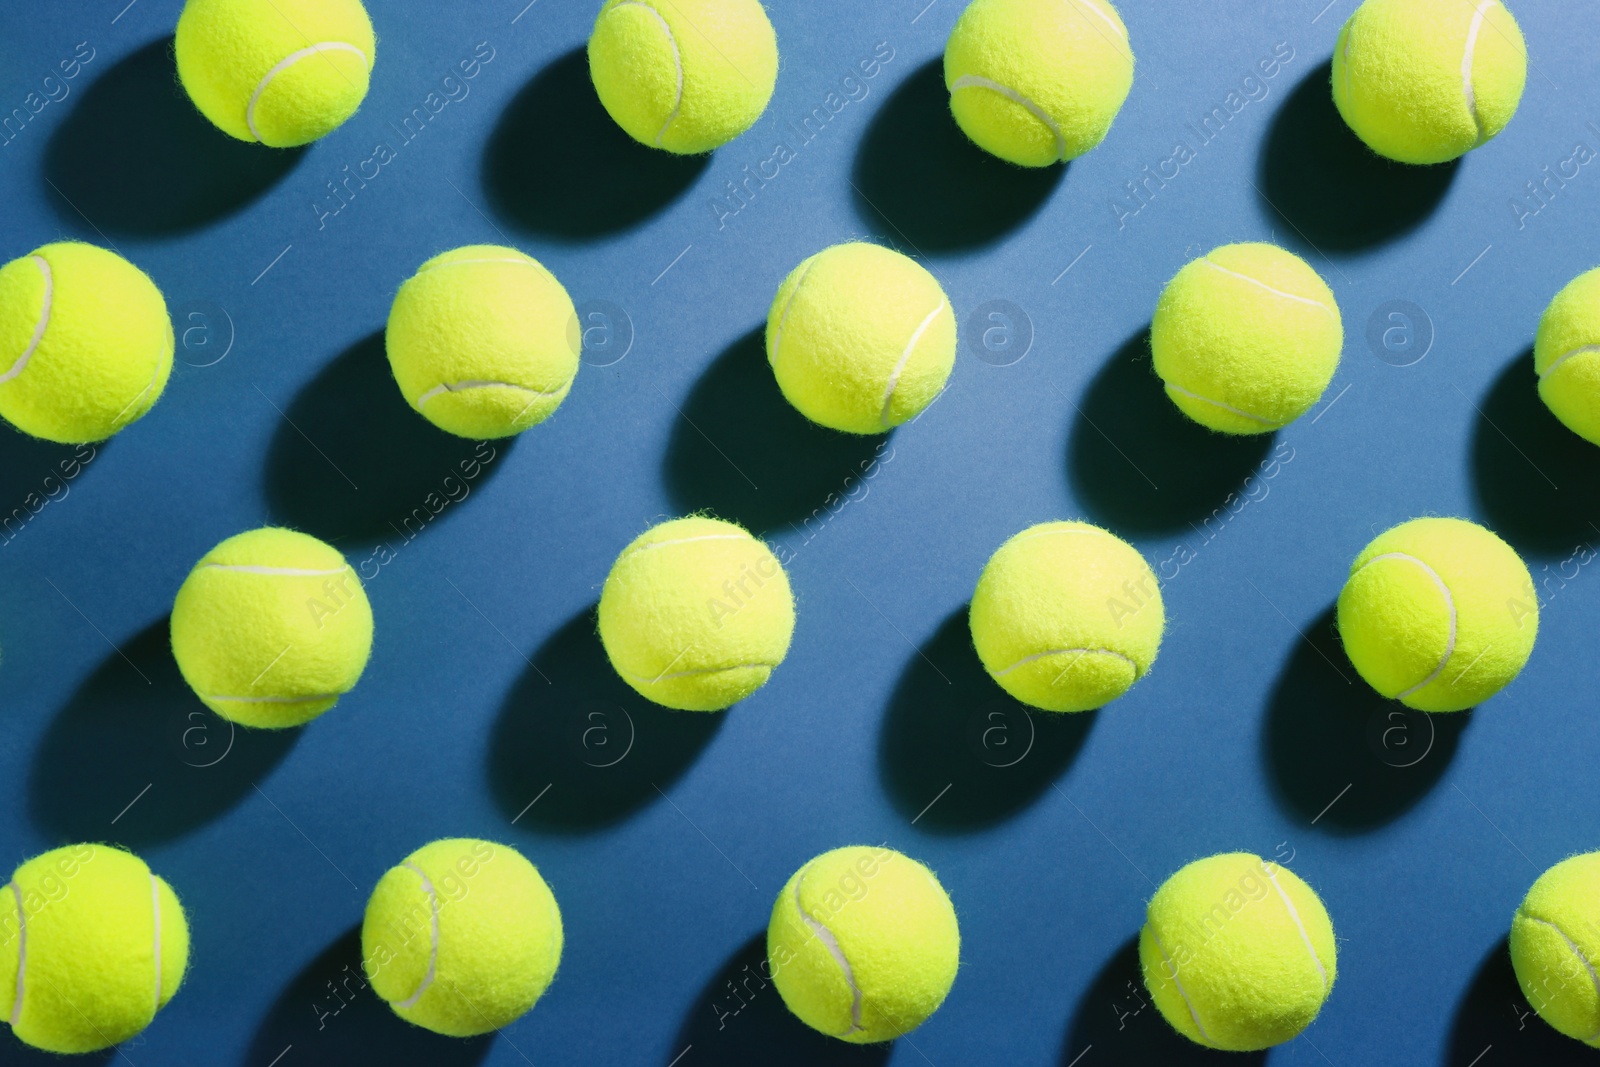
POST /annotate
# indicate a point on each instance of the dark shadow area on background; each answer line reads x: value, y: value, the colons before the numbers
x: 918, y: 173
x: 574, y: 736
x: 1327, y: 729
x: 1538, y: 481
x: 1333, y: 190
x: 950, y: 725
x: 333, y: 1019
x: 556, y: 163
x: 1494, y: 1012
x: 36, y: 476
x: 134, y: 155
x: 1119, y: 1019
x: 739, y: 1019
x: 741, y: 451
x: 1141, y: 465
x: 353, y: 460
x: 136, y: 724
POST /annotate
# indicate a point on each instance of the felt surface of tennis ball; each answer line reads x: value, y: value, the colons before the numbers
x: 1066, y: 616
x: 85, y: 343
x: 696, y: 614
x: 1237, y: 953
x: 1038, y: 82
x: 1439, y: 614
x: 279, y: 72
x: 1555, y: 941
x: 92, y: 946
x: 1566, y: 356
x: 861, y: 338
x: 1426, y: 81
x: 462, y: 937
x: 863, y: 944
x: 684, y: 75
x: 271, y: 628
x: 483, y: 342
x: 1246, y: 338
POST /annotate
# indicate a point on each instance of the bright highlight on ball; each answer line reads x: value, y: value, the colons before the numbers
x: 1427, y: 81
x: 1554, y: 941
x: 1038, y: 82
x: 861, y: 338
x: 1066, y: 616
x: 686, y: 76
x: 271, y: 628
x: 1238, y: 953
x: 1439, y: 614
x: 85, y: 343
x: 1566, y: 356
x: 863, y: 944
x: 1246, y: 338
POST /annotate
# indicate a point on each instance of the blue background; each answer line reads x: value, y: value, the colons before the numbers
x: 487, y: 690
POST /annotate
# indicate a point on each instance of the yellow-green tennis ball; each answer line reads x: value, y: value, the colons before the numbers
x: 1439, y: 614
x: 92, y: 945
x: 861, y: 338
x: 85, y: 343
x: 462, y: 937
x: 1246, y: 338
x: 1237, y: 953
x: 1038, y: 82
x: 271, y: 628
x: 684, y: 75
x: 1566, y: 356
x: 281, y: 72
x: 1066, y: 616
x: 696, y: 614
x: 1555, y: 939
x: 1427, y: 81
x: 483, y: 342
x: 863, y: 944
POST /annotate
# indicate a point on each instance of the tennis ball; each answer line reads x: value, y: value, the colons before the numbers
x: 271, y: 628
x: 1439, y: 614
x: 1038, y: 82
x: 92, y: 945
x: 861, y: 339
x: 1237, y: 953
x: 684, y: 75
x: 696, y: 614
x: 462, y: 937
x: 1427, y: 81
x: 1566, y: 356
x: 483, y: 342
x: 281, y: 72
x: 1066, y: 616
x: 1246, y: 338
x: 863, y: 944
x: 1555, y: 941
x: 85, y: 343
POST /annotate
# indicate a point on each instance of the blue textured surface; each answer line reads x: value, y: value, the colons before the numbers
x: 487, y: 687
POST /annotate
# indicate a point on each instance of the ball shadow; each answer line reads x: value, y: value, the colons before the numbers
x: 333, y: 1019
x: 920, y: 174
x: 576, y: 749
x: 1319, y: 177
x: 1538, y: 481
x: 556, y: 164
x: 136, y: 157
x: 135, y: 758
x: 1117, y: 1017
x: 1138, y: 463
x: 739, y: 1018
x: 350, y: 459
x: 35, y: 474
x: 1339, y: 754
x: 1494, y: 1012
x: 742, y: 451
x: 957, y: 750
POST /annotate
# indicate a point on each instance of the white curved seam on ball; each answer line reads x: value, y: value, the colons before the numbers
x: 1121, y: 39
x: 1581, y: 351
x: 1061, y: 531
x: 788, y: 306
x: 276, y: 700
x: 151, y: 384
x: 22, y: 954
x: 1271, y: 289
x: 905, y: 357
x: 1025, y: 660
x: 44, y: 321
x: 1449, y: 602
x: 464, y: 386
x: 677, y: 62
x: 285, y: 572
x: 433, y: 939
x: 1194, y: 1013
x: 683, y: 541
x: 1294, y: 914
x: 463, y: 262
x: 1576, y: 951
x: 1480, y: 12
x: 703, y: 671
x: 284, y: 64
x: 1225, y: 407
x: 974, y: 81
x: 831, y: 943
x: 155, y: 905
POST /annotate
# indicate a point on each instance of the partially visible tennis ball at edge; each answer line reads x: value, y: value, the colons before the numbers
x: 1555, y: 937
x: 1566, y: 356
